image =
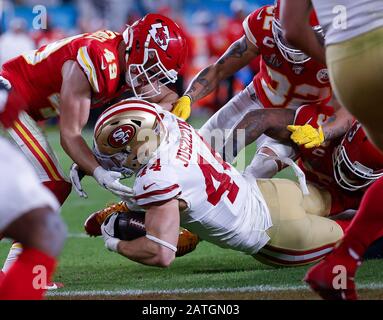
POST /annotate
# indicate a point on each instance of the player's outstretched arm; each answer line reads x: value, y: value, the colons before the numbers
x: 297, y: 30
x: 238, y: 55
x: 272, y: 122
x: 74, y: 113
x: 158, y: 247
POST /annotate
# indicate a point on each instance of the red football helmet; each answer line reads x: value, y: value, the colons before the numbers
x: 156, y: 50
x: 288, y: 52
x: 357, y: 163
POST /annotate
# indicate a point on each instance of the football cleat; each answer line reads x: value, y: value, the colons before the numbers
x: 324, y: 279
x: 187, y: 242
x: 93, y: 223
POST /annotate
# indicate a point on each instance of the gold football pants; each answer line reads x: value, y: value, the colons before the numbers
x: 356, y: 74
x: 301, y: 233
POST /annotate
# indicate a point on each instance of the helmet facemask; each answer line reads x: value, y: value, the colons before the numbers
x: 147, y: 78
x: 113, y: 162
x: 290, y: 53
x: 351, y: 176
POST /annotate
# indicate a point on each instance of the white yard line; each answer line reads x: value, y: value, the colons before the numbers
x: 260, y: 288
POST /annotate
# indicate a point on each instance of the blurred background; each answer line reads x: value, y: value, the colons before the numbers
x: 210, y: 26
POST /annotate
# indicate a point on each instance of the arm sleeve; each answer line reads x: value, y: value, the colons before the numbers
x: 90, y: 61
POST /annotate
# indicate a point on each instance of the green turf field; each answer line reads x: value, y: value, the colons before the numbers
x: 88, y: 269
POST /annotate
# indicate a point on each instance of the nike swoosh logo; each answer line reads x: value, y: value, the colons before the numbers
x: 147, y: 187
x: 259, y: 15
x: 103, y: 66
x: 51, y: 287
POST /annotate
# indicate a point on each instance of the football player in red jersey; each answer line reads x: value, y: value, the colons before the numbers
x: 288, y: 78
x: 342, y: 170
x: 343, y: 167
x: 69, y: 77
x: 29, y: 214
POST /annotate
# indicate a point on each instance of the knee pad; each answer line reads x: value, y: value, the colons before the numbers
x: 61, y: 189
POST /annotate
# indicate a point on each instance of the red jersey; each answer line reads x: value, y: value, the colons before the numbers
x: 36, y: 75
x: 317, y: 163
x: 279, y: 83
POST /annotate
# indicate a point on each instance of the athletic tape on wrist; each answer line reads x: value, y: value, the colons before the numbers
x: 162, y: 242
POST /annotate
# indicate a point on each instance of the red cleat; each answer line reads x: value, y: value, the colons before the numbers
x: 93, y: 223
x: 326, y: 280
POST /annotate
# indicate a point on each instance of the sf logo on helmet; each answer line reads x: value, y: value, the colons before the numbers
x: 160, y: 35
x: 121, y: 136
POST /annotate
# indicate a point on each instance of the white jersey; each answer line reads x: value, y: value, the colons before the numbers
x: 223, y: 207
x: 346, y: 19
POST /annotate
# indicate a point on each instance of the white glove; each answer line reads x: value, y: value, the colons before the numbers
x: 107, y: 230
x: 110, y: 180
x: 75, y: 176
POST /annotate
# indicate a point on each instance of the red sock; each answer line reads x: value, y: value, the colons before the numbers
x: 28, y: 276
x: 366, y: 226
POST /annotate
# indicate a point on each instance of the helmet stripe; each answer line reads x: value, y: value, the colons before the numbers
x: 123, y: 108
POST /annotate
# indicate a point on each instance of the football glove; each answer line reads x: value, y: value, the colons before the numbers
x: 110, y: 180
x: 306, y: 135
x: 75, y: 175
x: 182, y: 107
x: 107, y: 230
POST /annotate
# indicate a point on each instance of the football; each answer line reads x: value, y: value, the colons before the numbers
x: 130, y: 225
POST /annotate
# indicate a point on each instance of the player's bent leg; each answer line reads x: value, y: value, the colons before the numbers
x: 42, y: 234
x: 40, y: 228
x: 355, y: 71
x: 296, y: 238
x: 29, y: 214
x: 317, y: 202
x: 34, y: 145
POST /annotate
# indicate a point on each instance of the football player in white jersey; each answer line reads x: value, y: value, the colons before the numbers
x: 180, y: 180
x: 28, y: 214
x: 354, y: 55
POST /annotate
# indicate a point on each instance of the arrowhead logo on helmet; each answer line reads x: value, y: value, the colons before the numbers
x: 160, y: 35
x: 156, y: 50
